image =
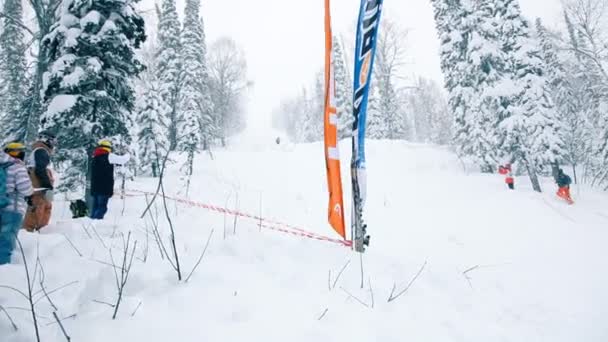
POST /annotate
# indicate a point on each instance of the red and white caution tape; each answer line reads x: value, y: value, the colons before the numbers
x: 262, y: 222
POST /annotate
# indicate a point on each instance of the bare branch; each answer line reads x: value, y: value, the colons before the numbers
x: 30, y: 296
x: 355, y: 298
x: 340, y: 274
x: 67, y: 337
x: 9, y: 318
x: 137, y: 308
x: 323, y: 314
x: 72, y: 244
x: 104, y: 303
x: 55, y: 290
x: 392, y: 298
x: 201, y: 257
x: 18, y: 22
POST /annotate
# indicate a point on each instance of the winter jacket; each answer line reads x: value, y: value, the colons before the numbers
x: 18, y: 184
x: 102, y: 173
x: 38, y: 166
x: 563, y: 180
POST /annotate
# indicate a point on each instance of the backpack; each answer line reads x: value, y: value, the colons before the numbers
x: 4, y: 200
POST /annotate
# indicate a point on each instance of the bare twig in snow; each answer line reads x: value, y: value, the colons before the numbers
x: 98, y: 236
x: 83, y: 226
x: 350, y: 295
x: 371, y: 291
x: 54, y: 290
x: 361, y: 263
x: 340, y: 274
x: 236, y: 208
x: 72, y: 244
x: 30, y: 288
x: 323, y: 314
x: 63, y: 319
x: 127, y: 262
x: 201, y: 257
x: 9, y: 318
x: 67, y: 337
x: 392, y: 297
x: 104, y: 303
x: 329, y: 280
x: 466, y: 274
x: 137, y: 308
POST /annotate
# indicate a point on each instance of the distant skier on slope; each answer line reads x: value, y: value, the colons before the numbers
x: 563, y: 182
x: 507, y: 172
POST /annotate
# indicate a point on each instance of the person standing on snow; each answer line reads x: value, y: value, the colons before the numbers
x: 39, y: 211
x: 563, y: 182
x: 102, y: 177
x: 17, y: 190
x: 507, y: 172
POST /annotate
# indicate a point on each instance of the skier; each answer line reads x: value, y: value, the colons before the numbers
x: 16, y: 191
x: 39, y: 211
x: 102, y: 177
x: 563, y: 182
x: 506, y: 171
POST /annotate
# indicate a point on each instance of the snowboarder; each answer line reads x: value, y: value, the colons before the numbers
x: 102, y: 177
x: 39, y: 211
x: 506, y: 171
x: 563, y: 182
x: 16, y: 191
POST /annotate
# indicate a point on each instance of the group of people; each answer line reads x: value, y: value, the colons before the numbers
x: 562, y: 180
x: 27, y: 185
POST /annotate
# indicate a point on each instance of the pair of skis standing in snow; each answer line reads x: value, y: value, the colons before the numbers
x: 563, y: 181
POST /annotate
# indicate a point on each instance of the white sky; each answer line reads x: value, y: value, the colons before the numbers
x: 284, y: 39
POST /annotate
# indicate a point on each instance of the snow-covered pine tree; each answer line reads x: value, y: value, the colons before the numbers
x: 169, y: 65
x: 152, y: 130
x: 12, y: 72
x: 529, y: 129
x: 344, y: 86
x: 88, y: 89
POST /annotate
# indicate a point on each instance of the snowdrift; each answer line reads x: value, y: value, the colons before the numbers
x: 473, y: 261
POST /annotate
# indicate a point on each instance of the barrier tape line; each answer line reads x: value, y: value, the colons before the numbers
x: 262, y: 222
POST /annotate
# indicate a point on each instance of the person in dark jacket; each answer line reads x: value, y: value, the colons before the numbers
x: 102, y: 179
x: 563, y: 182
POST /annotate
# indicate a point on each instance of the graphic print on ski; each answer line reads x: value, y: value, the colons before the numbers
x: 365, y: 48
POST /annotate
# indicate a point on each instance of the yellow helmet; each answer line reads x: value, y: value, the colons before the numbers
x: 14, y: 146
x: 105, y: 143
x: 15, y: 150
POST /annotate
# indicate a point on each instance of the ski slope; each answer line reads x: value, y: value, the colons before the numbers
x: 500, y: 265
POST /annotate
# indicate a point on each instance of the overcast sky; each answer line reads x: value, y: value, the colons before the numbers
x: 284, y: 39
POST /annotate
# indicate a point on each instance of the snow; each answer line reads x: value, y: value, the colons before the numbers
x: 74, y: 78
x: 537, y: 266
x: 61, y: 103
x: 91, y: 18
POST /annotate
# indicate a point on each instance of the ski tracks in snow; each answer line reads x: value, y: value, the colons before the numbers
x: 559, y: 212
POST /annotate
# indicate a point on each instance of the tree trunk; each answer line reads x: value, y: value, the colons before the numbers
x: 533, y: 176
x: 574, y: 173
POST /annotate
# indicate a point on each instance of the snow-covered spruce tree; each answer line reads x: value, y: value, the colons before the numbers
x: 88, y: 90
x: 152, y: 130
x: 12, y: 72
x: 168, y: 65
x: 344, y: 86
x: 571, y: 98
x: 529, y: 129
x: 470, y: 72
x: 195, y: 103
x: 195, y: 97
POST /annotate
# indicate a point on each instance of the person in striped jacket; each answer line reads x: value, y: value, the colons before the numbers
x: 18, y: 191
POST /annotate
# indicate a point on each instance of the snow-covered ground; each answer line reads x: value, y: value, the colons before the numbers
x: 538, y: 269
